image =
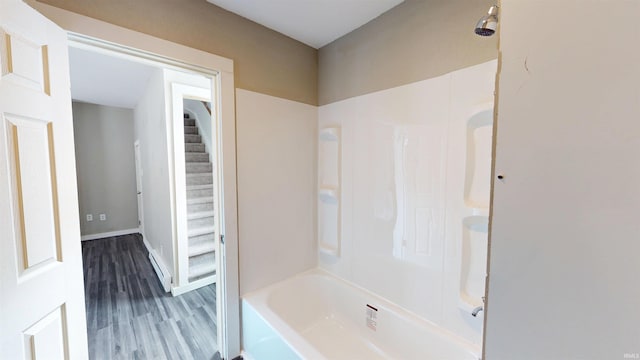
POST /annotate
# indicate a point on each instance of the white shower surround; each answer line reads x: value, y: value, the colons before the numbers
x: 409, y: 197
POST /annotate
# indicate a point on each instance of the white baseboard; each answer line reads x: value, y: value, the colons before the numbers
x: 109, y: 234
x: 158, y: 266
x: 175, y: 291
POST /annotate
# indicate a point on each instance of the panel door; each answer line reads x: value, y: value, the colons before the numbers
x: 42, y: 313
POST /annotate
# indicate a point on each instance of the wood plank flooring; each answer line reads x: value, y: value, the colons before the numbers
x: 129, y: 316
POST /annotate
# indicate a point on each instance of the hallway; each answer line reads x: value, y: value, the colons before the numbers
x: 129, y: 316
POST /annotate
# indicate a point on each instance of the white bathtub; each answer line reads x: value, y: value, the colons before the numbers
x: 315, y: 315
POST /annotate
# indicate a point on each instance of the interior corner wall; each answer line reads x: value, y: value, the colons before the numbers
x: 563, y: 277
x: 265, y: 61
x: 105, y: 168
x: 151, y: 131
x: 276, y: 162
x: 414, y: 41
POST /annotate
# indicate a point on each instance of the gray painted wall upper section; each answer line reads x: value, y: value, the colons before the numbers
x: 416, y: 40
x: 265, y: 61
x: 105, y: 167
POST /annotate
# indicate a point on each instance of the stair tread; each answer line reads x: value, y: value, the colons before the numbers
x: 202, y: 157
x: 200, y: 215
x: 201, y: 248
x: 200, y: 200
x: 200, y: 187
x: 201, y: 231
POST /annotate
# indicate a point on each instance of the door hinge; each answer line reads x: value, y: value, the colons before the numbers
x: 222, y: 239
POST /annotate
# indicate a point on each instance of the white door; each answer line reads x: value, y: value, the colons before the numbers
x: 139, y: 187
x: 42, y: 314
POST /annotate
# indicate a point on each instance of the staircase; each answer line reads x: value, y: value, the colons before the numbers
x: 200, y: 211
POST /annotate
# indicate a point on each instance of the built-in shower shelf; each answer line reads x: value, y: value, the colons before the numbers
x: 480, y: 211
x: 328, y: 194
x: 329, y: 180
x: 329, y: 134
x: 478, y: 161
x: 329, y: 250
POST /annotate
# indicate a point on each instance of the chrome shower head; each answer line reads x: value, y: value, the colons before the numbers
x: 487, y: 25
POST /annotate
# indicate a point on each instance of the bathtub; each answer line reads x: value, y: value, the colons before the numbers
x: 315, y: 315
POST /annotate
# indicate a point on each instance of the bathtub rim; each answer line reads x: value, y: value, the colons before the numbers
x: 258, y: 300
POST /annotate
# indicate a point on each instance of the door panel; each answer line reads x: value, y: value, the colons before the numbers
x: 42, y: 298
x: 35, y: 203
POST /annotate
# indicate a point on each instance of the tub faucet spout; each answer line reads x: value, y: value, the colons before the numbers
x: 475, y: 311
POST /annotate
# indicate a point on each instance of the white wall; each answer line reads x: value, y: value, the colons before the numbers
x: 403, y: 206
x: 105, y: 168
x: 150, y: 129
x: 565, y: 232
x: 276, y: 141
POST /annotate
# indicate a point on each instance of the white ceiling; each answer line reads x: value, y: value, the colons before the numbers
x: 106, y: 80
x: 313, y: 22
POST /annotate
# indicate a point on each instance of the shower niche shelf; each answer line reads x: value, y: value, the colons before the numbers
x: 475, y: 222
x: 329, y: 204
x: 474, y: 261
x: 478, y: 163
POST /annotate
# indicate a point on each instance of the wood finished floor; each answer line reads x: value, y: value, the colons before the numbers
x: 129, y: 316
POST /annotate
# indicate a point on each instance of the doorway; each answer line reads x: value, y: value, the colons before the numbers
x: 210, y: 299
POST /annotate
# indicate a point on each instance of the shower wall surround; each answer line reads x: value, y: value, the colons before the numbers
x: 412, y: 203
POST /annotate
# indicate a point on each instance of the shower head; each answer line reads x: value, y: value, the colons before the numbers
x: 487, y: 25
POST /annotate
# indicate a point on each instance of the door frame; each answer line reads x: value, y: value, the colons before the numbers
x: 112, y: 38
x: 140, y: 194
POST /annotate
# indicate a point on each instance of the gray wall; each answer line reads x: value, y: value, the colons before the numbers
x: 265, y: 61
x: 105, y: 167
x: 416, y: 40
x: 564, y: 266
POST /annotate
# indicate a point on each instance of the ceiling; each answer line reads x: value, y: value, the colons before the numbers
x: 107, y: 80
x: 313, y: 22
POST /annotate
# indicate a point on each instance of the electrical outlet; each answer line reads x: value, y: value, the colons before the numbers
x: 89, y: 217
x: 103, y: 217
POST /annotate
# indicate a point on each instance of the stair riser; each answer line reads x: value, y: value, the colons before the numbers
x: 199, y: 167
x: 203, y: 244
x: 199, y: 207
x: 196, y: 157
x: 191, y: 130
x: 202, y: 265
x: 192, y: 138
x: 196, y: 223
x: 194, y: 147
x: 199, y: 193
x: 199, y: 180
x: 189, y: 122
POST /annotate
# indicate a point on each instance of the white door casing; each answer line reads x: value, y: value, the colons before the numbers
x: 42, y: 313
x: 178, y: 93
x: 140, y: 195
